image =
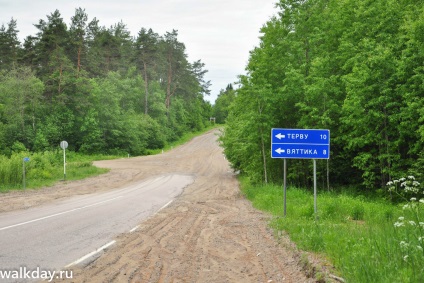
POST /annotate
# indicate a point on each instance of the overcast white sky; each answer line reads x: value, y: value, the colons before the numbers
x: 219, y: 32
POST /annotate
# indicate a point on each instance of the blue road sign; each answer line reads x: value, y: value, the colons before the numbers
x: 300, y: 143
x: 26, y: 159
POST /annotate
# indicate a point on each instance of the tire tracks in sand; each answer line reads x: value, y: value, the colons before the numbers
x: 210, y: 233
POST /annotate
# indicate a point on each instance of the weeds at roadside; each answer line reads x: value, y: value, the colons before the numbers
x: 358, y: 235
x: 42, y: 169
x: 46, y: 168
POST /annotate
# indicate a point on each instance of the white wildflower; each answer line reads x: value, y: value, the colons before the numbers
x: 403, y: 244
x: 413, y: 199
x: 405, y: 258
x: 411, y: 177
x: 389, y: 183
x: 402, y: 179
x: 422, y: 200
x: 420, y: 248
x: 412, y: 223
x: 399, y: 224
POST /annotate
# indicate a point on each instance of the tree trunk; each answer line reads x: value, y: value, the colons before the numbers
x: 263, y: 146
x: 146, y: 89
x: 79, y: 60
x: 168, y: 85
x: 60, y: 78
x: 264, y: 158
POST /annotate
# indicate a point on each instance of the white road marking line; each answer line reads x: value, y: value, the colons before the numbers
x: 165, y: 205
x: 135, y: 228
x: 91, y: 254
x: 57, y: 214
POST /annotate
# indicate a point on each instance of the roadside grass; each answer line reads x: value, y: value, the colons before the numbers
x: 356, y: 234
x: 46, y: 168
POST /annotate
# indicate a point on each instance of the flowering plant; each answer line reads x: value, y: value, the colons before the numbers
x: 405, y: 187
x: 411, y: 225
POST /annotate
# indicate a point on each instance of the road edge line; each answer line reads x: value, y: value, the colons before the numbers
x: 109, y: 244
x: 165, y: 206
x: 91, y: 254
x: 135, y: 228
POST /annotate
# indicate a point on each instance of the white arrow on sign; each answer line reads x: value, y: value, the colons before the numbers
x: 280, y: 136
x: 279, y: 150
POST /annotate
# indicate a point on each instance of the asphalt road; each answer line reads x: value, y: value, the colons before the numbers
x: 56, y: 235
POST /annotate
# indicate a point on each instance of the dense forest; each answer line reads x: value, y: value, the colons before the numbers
x: 355, y: 67
x: 101, y: 89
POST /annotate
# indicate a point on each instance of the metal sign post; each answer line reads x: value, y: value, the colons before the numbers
x: 315, y: 187
x: 64, y: 146
x: 285, y: 187
x: 300, y: 144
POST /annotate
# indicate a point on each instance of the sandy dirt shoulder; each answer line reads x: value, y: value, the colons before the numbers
x: 210, y: 233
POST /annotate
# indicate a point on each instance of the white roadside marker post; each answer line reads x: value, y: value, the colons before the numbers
x: 64, y: 145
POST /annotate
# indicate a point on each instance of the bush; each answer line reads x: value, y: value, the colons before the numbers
x: 42, y: 169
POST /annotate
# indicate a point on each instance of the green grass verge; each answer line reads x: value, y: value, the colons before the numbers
x: 355, y: 233
x: 45, y: 169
